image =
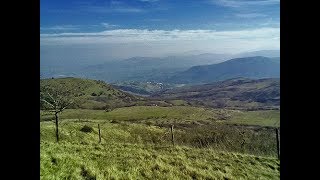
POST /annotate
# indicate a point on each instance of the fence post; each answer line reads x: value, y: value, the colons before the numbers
x: 172, y: 136
x: 278, y: 142
x: 99, y: 133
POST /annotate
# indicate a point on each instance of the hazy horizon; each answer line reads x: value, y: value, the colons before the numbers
x: 93, y: 32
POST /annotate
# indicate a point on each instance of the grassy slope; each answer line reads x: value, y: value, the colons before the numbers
x: 127, y: 152
x: 260, y: 118
x: 139, y: 151
x: 96, y: 94
x: 178, y: 114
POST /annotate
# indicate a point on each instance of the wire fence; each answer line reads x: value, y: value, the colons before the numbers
x: 243, y: 139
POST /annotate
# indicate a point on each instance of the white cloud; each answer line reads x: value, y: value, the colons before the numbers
x: 134, y: 35
x: 115, y: 2
x: 124, y: 43
x: 108, y: 25
x: 148, y: 0
x: 250, y: 15
x: 60, y: 27
x: 113, y: 7
x: 155, y: 20
x: 271, y: 23
x: 100, y: 9
x: 241, y: 3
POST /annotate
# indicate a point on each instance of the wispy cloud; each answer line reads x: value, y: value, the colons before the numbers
x: 148, y: 0
x: 271, y: 23
x: 243, y: 3
x: 108, y: 25
x: 144, y: 35
x: 155, y: 20
x: 125, y: 43
x: 250, y: 15
x: 60, y: 27
x: 116, y: 2
x: 115, y: 6
x: 100, y: 9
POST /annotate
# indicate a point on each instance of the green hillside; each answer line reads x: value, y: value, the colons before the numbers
x: 136, y: 140
x: 177, y: 114
x: 94, y: 94
x: 132, y: 151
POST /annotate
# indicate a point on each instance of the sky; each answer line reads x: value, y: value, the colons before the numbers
x: 96, y: 31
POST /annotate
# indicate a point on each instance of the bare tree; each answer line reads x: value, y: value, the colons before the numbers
x: 55, y: 97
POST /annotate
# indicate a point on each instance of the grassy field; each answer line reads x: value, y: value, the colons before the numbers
x: 183, y: 114
x: 136, y: 144
x: 139, y: 151
x: 260, y: 118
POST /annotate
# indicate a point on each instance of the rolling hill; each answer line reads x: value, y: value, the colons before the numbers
x: 239, y: 93
x: 256, y: 67
x: 94, y: 94
x: 98, y: 95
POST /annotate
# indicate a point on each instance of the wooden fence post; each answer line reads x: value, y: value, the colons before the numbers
x: 278, y: 142
x: 99, y: 133
x: 172, y: 136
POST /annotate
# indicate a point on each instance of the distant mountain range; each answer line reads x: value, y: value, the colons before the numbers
x: 265, y: 53
x: 242, y: 93
x: 148, y: 68
x: 133, y: 69
x: 249, y: 67
x: 141, y: 68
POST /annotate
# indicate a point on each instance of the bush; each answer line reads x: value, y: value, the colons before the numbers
x: 115, y: 121
x: 87, y: 175
x: 86, y: 129
x: 101, y: 93
x: 149, y: 123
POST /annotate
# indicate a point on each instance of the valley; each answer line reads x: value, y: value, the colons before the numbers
x: 159, y: 89
x: 211, y: 141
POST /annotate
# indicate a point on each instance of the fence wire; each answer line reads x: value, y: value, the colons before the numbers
x: 251, y: 140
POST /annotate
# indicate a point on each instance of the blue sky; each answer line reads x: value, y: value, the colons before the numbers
x: 126, y: 28
x: 80, y: 15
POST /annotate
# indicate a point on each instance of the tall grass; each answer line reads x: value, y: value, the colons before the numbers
x: 176, y: 113
x: 136, y: 151
x: 136, y: 144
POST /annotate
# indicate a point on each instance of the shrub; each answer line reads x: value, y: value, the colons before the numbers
x: 87, y: 175
x: 101, y: 93
x: 86, y: 129
x: 149, y: 123
x: 114, y: 121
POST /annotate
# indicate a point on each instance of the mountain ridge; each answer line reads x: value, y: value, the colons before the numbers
x: 242, y: 93
x: 256, y: 67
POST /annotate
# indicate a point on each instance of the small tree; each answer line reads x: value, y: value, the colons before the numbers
x: 55, y: 97
x: 220, y: 103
